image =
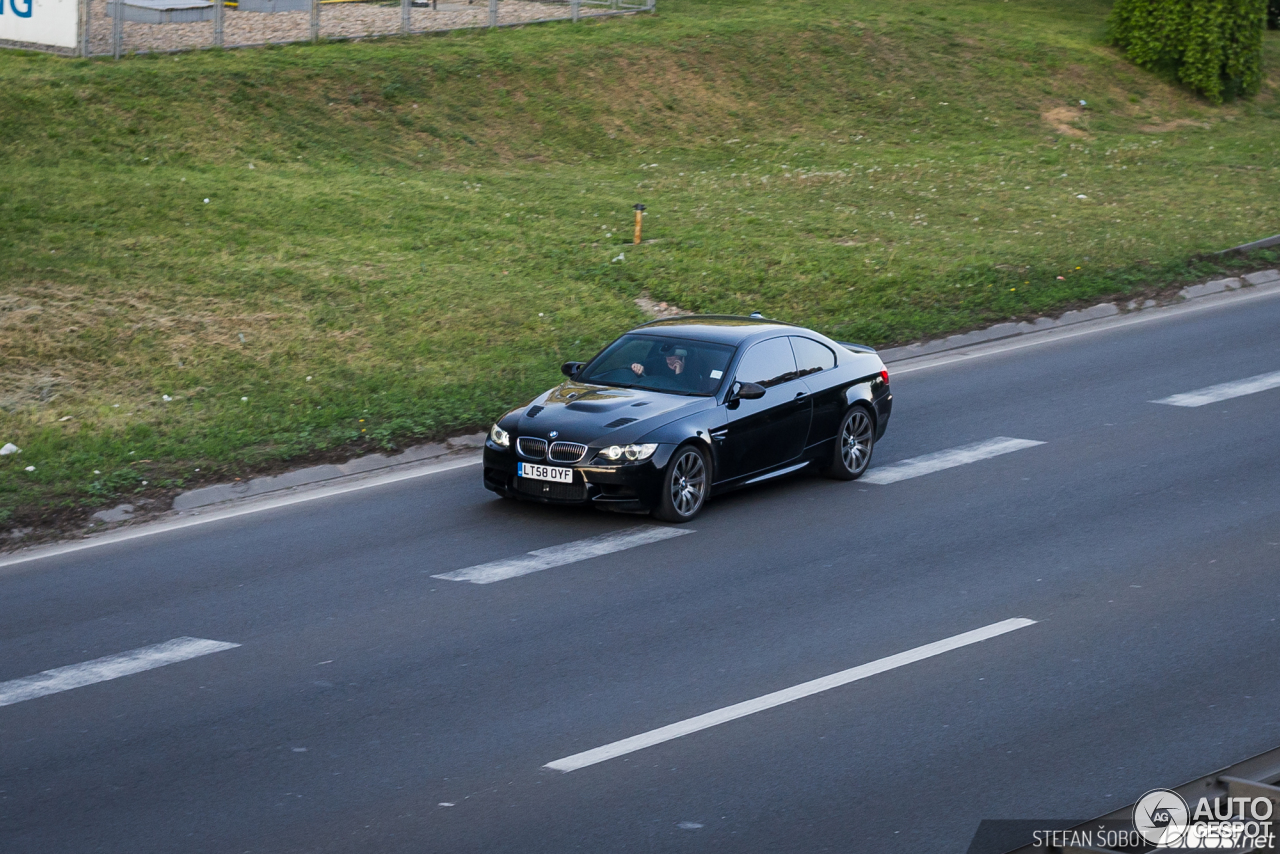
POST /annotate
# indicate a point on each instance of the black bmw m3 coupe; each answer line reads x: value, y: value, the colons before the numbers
x: 680, y: 409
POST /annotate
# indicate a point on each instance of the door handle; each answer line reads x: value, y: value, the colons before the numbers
x: 800, y: 395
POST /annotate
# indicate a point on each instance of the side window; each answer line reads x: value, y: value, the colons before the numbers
x: 812, y: 357
x: 768, y: 363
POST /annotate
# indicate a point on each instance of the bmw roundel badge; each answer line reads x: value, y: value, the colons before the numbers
x: 554, y: 433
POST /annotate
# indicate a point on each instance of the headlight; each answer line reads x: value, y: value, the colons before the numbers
x: 499, y: 437
x: 631, y: 452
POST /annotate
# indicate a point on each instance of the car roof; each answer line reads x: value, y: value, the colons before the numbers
x: 718, y: 328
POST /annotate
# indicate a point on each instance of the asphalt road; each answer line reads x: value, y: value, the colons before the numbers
x: 372, y: 707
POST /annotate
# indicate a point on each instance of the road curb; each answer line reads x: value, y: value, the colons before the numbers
x: 221, y: 493
x: 207, y: 495
x: 1071, y: 318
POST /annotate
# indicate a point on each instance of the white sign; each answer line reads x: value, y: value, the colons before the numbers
x: 43, y: 22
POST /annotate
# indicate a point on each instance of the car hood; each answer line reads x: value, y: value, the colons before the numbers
x: 592, y: 414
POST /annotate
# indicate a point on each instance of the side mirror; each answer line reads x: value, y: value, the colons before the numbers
x: 746, y: 391
x: 570, y: 369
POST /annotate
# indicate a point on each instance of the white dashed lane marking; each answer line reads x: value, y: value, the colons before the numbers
x: 786, y: 695
x: 1224, y: 391
x: 553, y: 556
x: 930, y: 463
x: 104, y: 669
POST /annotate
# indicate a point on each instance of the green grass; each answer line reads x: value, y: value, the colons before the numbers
x: 424, y: 233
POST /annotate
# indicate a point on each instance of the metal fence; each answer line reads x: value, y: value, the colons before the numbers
x: 120, y: 27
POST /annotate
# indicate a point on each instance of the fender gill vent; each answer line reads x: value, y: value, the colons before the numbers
x: 619, y: 422
x: 533, y: 410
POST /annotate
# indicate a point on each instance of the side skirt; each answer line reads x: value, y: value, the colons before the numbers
x: 779, y: 473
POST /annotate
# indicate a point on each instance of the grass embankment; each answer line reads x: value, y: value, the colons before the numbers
x: 403, y: 238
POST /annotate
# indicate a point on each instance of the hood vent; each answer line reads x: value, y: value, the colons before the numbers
x: 620, y: 422
x: 641, y: 403
x: 533, y: 410
x: 591, y: 406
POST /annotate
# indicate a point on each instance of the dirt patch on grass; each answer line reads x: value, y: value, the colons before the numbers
x: 1165, y: 127
x: 1062, y: 120
x: 653, y: 308
x: 85, y: 348
x: 31, y: 385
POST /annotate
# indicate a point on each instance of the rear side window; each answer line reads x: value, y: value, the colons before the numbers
x: 768, y: 363
x: 812, y: 357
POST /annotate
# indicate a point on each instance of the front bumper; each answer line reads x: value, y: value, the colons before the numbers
x: 626, y: 487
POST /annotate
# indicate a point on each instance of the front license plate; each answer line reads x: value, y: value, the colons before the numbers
x: 551, y: 473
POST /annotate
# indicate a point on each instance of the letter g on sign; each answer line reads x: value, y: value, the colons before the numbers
x: 19, y: 11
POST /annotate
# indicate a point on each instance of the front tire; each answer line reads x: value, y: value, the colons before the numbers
x: 854, y: 442
x: 685, y: 485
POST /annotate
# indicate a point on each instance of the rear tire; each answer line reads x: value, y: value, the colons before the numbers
x: 685, y: 485
x: 855, y: 441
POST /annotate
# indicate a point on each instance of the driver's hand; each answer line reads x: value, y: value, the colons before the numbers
x: 637, y: 369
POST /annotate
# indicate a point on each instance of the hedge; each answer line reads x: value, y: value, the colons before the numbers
x: 1212, y: 46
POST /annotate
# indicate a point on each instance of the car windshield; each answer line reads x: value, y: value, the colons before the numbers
x: 659, y: 363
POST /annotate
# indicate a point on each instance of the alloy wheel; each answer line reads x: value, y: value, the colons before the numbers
x: 688, y: 483
x: 855, y: 441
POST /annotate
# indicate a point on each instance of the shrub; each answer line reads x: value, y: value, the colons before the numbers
x: 1212, y: 46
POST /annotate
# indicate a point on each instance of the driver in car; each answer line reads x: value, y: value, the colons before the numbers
x: 672, y: 366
